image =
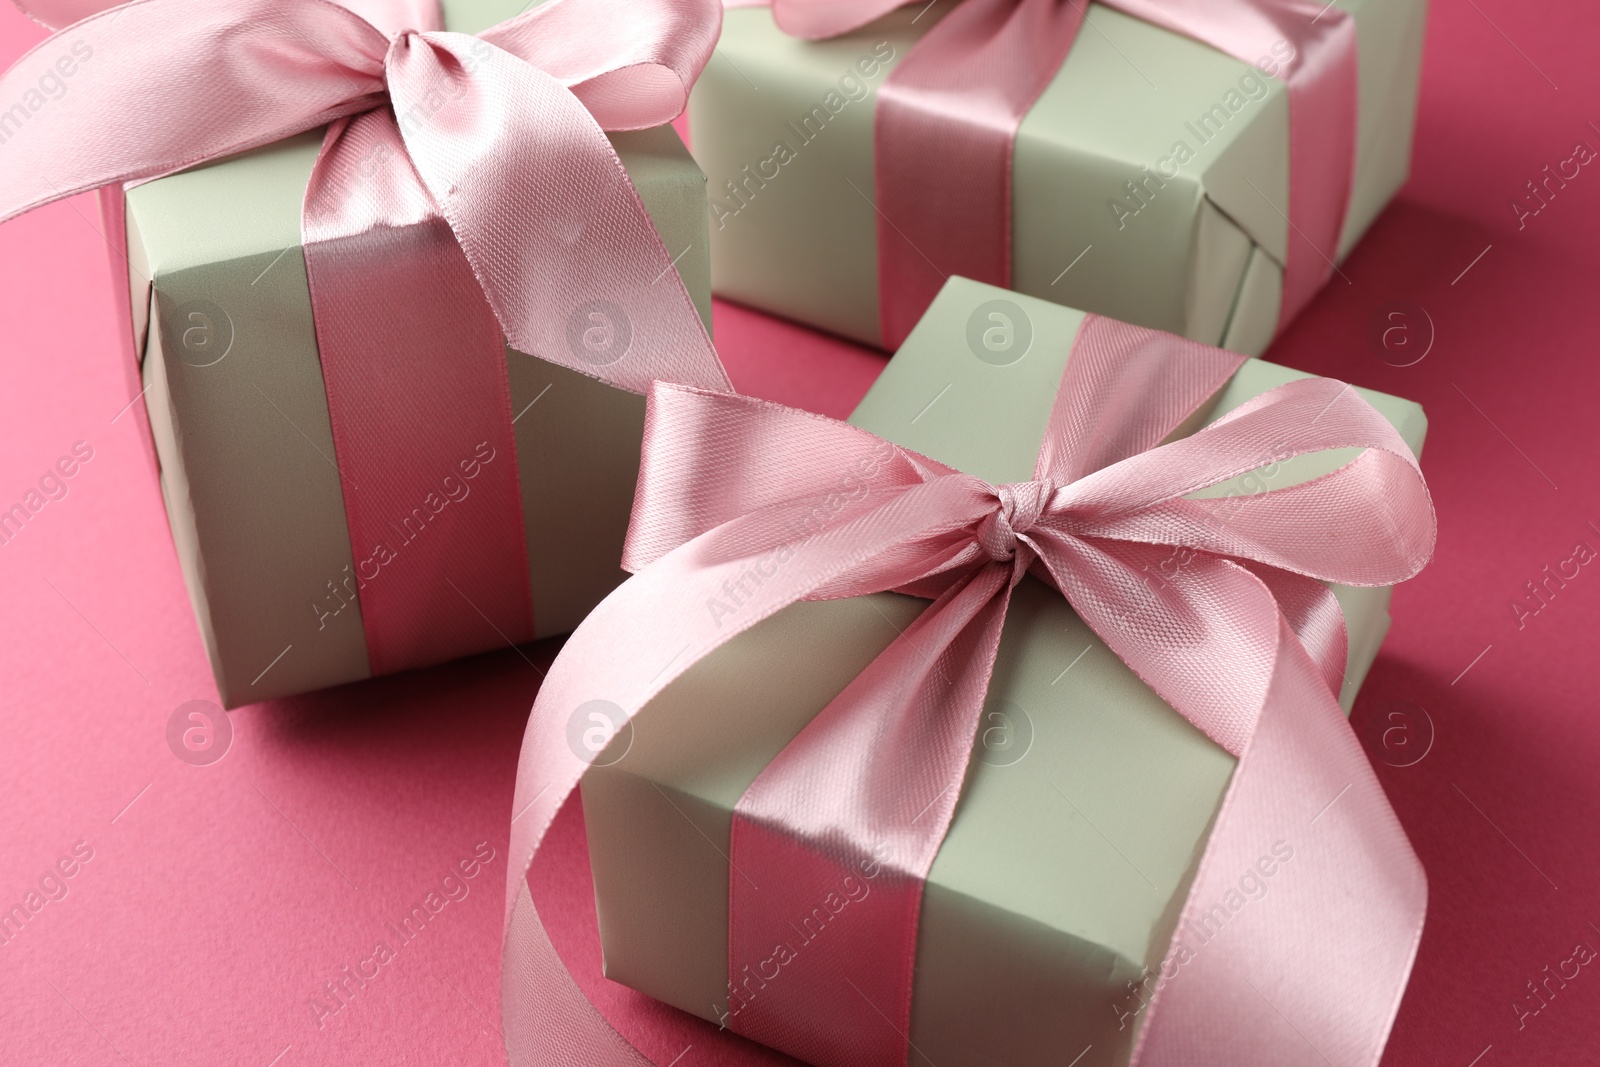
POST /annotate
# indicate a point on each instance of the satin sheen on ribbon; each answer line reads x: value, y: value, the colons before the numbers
x: 947, y: 119
x: 465, y: 195
x: 1245, y: 642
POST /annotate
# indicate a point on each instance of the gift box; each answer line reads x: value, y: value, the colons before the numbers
x: 1150, y: 179
x: 256, y: 489
x: 1087, y: 802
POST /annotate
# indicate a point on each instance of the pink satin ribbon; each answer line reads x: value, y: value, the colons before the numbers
x: 1243, y: 640
x: 947, y: 119
x: 465, y: 193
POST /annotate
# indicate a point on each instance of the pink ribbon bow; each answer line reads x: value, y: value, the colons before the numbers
x: 1243, y: 640
x: 946, y: 123
x: 520, y: 224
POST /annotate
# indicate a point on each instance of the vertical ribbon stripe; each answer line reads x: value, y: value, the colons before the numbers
x: 944, y: 131
x: 420, y: 406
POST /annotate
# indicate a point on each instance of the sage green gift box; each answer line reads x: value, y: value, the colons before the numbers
x: 783, y: 127
x: 1088, y: 800
x: 244, y: 443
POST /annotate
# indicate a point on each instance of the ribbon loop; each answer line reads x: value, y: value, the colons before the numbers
x: 769, y: 456
x: 1383, y: 541
x: 277, y: 67
x: 511, y: 134
x: 639, y: 75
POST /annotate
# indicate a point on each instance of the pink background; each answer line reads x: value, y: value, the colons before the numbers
x: 219, y: 899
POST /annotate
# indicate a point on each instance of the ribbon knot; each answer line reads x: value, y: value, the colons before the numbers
x: 1021, y: 504
x: 398, y: 46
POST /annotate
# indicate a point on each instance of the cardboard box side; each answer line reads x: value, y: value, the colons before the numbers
x: 246, y: 455
x: 171, y: 476
x: 993, y: 987
x: 1221, y: 253
x: 1390, y: 36
x: 1254, y: 320
x: 578, y: 459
